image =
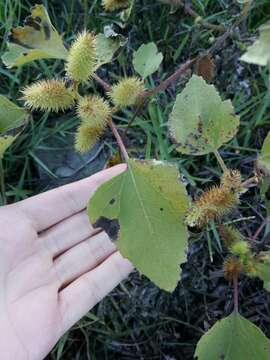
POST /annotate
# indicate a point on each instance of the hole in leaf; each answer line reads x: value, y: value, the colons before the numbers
x: 110, y: 226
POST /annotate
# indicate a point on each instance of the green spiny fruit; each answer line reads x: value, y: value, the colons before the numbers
x: 111, y: 5
x: 126, y: 92
x: 86, y: 137
x: 229, y: 235
x: 48, y: 95
x: 82, y: 58
x: 94, y: 111
x: 240, y: 248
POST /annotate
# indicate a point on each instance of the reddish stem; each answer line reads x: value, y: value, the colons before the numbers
x: 235, y: 293
x: 104, y: 84
x: 171, y: 79
x: 119, y: 140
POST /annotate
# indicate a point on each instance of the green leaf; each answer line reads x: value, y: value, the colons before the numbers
x: 125, y: 14
x: 200, y: 121
x: 262, y: 267
x: 263, y: 161
x: 146, y: 59
x: 106, y: 48
x: 12, y: 122
x: 37, y: 39
x: 143, y: 210
x: 233, y: 338
x: 259, y: 52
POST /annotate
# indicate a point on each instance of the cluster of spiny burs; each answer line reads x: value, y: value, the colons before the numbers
x: 213, y: 205
x: 93, y: 111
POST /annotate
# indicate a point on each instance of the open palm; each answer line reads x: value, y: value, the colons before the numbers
x: 54, y: 267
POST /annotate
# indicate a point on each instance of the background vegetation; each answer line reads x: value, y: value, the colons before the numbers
x: 137, y: 320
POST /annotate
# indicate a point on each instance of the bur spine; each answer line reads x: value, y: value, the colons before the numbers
x: 126, y: 92
x: 216, y: 202
x: 232, y: 267
x: 82, y: 57
x: 229, y: 235
x: 48, y: 95
x: 94, y: 111
x: 86, y: 137
x: 111, y: 5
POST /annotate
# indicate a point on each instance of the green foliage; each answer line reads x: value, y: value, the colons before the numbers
x: 200, y: 121
x: 146, y: 59
x: 125, y: 14
x: 262, y: 268
x: 233, y: 338
x: 143, y: 210
x: 38, y: 39
x: 259, y: 52
x: 263, y: 161
x: 106, y: 48
x: 12, y: 121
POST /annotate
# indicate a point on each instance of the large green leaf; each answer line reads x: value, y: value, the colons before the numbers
x: 106, y: 48
x: 233, y: 338
x: 200, y: 121
x: 12, y: 121
x: 146, y: 59
x: 259, y: 52
x: 143, y: 210
x: 263, y: 161
x: 37, y: 39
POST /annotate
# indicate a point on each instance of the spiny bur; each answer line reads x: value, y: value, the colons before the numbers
x: 216, y: 202
x: 86, y: 137
x: 94, y: 111
x: 126, y: 92
x: 82, y: 57
x: 111, y: 5
x: 250, y: 267
x: 232, y: 268
x: 48, y: 95
x: 232, y: 179
x: 240, y: 248
x: 212, y: 204
x: 229, y: 235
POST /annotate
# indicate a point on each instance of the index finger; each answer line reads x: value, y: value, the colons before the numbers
x: 53, y: 206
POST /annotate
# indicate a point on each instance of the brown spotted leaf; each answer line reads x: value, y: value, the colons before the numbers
x: 37, y: 39
x: 200, y: 121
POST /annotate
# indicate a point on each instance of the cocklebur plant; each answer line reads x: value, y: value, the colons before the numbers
x: 150, y: 192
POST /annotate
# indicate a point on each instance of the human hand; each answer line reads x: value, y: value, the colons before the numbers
x: 54, y: 267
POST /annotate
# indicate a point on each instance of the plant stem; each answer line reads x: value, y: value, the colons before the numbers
x: 2, y: 183
x: 190, y: 11
x: 220, y: 161
x: 141, y: 103
x: 171, y: 79
x: 251, y: 182
x: 259, y: 230
x: 235, y: 293
x: 104, y: 84
x: 119, y: 140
